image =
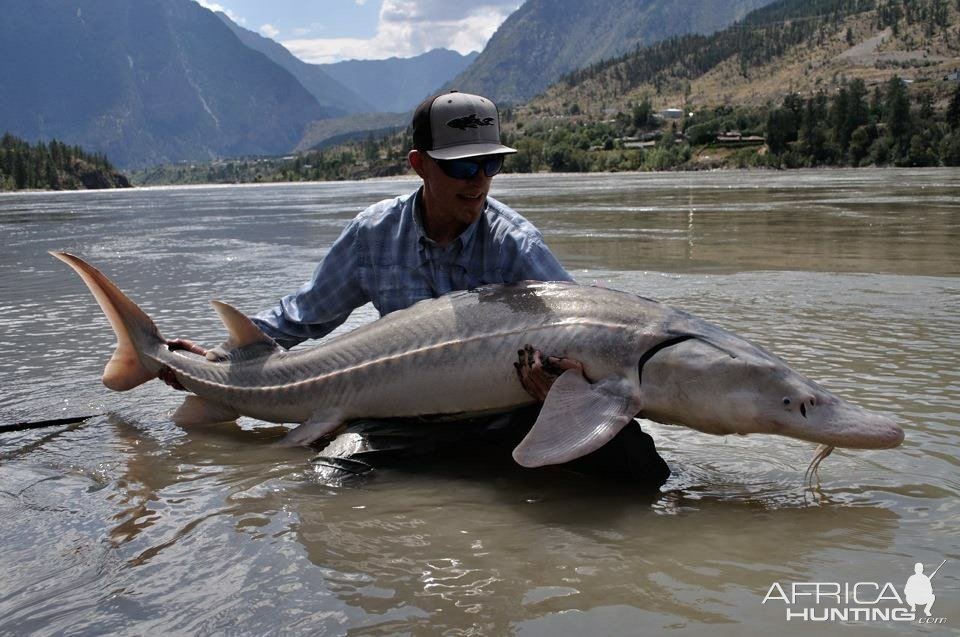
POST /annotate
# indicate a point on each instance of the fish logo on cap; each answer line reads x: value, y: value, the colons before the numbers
x: 470, y: 121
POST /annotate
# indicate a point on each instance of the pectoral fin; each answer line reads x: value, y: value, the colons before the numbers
x: 196, y: 411
x: 578, y: 417
x: 319, y: 425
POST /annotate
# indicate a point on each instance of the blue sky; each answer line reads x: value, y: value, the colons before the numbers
x: 333, y: 30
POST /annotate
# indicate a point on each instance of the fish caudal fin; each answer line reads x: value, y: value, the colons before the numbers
x: 133, y: 327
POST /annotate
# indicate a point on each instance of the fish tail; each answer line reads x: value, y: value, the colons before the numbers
x: 134, y: 329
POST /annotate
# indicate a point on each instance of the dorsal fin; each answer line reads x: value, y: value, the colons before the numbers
x: 243, y: 331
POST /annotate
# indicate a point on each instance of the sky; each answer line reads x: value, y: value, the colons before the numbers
x: 323, y: 31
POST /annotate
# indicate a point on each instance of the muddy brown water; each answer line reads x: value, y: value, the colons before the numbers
x: 127, y: 524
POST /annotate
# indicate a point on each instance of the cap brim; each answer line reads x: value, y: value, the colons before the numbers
x: 470, y: 150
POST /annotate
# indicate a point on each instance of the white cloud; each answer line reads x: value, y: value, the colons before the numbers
x: 269, y: 30
x: 411, y: 27
x: 213, y: 6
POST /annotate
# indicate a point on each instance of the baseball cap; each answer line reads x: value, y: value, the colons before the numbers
x: 455, y: 125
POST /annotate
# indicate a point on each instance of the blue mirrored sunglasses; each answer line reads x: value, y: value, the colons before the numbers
x: 469, y: 167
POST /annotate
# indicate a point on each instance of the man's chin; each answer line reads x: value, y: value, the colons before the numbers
x: 472, y: 205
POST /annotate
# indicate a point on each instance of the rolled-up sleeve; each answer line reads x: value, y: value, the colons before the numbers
x: 323, y: 302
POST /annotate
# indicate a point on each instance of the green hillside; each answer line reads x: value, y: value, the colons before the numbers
x: 54, y: 166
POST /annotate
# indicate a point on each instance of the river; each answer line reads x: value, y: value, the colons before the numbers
x: 128, y: 524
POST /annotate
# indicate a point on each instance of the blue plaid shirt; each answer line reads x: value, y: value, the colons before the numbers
x: 384, y: 257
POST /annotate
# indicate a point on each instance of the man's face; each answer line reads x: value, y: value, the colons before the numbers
x: 460, y: 200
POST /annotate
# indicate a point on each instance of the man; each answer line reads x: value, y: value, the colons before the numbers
x: 448, y: 235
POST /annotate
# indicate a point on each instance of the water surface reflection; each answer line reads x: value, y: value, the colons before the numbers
x: 128, y: 524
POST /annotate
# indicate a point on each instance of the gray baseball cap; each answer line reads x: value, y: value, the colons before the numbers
x: 455, y: 125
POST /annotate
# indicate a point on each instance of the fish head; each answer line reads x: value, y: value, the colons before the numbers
x: 739, y: 388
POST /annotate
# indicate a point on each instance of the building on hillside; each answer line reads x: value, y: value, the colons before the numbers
x: 736, y: 138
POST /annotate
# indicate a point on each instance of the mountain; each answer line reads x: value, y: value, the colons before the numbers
x: 335, y: 96
x: 544, y: 39
x: 144, y: 82
x: 798, y: 83
x: 397, y: 85
x: 394, y: 85
x: 791, y: 46
x: 324, y: 133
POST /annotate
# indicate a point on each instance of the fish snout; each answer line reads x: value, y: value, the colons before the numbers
x: 891, y: 435
x: 847, y: 426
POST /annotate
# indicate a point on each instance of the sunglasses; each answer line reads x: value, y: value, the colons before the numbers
x: 468, y: 168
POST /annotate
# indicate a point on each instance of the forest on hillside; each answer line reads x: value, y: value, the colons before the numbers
x: 853, y: 127
x: 54, y: 166
x: 763, y: 35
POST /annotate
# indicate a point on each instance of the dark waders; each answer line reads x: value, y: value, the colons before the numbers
x: 366, y: 445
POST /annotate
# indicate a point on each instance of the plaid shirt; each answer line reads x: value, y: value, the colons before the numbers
x: 384, y: 257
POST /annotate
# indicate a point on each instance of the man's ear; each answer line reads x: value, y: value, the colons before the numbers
x: 416, y: 159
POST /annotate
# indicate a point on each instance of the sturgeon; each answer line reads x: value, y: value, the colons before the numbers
x: 454, y: 355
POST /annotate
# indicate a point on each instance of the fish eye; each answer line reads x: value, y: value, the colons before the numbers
x: 786, y: 402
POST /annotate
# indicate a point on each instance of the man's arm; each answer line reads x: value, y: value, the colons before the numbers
x: 321, y: 304
x: 537, y: 263
x: 313, y: 311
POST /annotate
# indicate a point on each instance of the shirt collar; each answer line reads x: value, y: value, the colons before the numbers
x: 424, y: 242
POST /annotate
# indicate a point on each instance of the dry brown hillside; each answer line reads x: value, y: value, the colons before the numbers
x: 859, y: 46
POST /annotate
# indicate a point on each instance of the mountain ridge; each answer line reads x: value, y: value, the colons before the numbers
x: 545, y: 39
x: 803, y: 83
x: 398, y: 84
x: 163, y: 80
x: 330, y: 93
x: 786, y: 47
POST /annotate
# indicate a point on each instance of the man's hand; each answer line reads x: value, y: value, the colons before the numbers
x: 166, y: 374
x: 537, y: 374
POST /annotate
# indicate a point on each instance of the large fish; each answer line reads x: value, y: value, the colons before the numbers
x: 454, y: 355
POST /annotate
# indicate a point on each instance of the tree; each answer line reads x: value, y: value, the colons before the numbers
x: 838, y: 121
x: 858, y: 113
x: 782, y: 128
x: 950, y: 150
x: 897, y: 110
x: 642, y: 114
x: 953, y: 110
x: 860, y: 142
x: 813, y: 132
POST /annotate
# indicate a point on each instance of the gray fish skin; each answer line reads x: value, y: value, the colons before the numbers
x: 455, y: 354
